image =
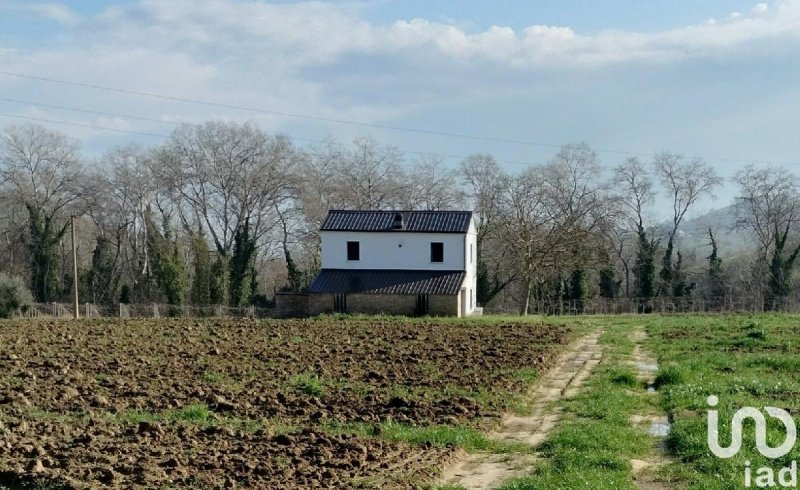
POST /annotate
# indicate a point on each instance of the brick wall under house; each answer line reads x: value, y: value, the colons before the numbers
x: 377, y: 304
x: 289, y: 305
x: 444, y: 305
x: 320, y: 303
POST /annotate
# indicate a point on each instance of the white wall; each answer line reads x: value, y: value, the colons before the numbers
x: 389, y: 250
x: 471, y: 280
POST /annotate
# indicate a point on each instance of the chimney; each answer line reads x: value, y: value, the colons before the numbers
x: 398, y: 222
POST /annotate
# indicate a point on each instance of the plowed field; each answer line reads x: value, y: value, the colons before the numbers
x: 251, y: 404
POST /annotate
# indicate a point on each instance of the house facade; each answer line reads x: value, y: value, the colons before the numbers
x: 396, y: 262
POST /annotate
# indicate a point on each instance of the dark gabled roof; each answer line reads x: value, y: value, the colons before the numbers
x: 379, y: 281
x: 413, y: 221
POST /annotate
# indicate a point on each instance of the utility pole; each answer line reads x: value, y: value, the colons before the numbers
x: 75, y: 270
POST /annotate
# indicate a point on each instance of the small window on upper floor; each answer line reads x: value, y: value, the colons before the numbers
x: 470, y: 253
x: 437, y: 252
x: 353, y: 251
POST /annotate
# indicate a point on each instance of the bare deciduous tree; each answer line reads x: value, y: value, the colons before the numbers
x: 635, y: 194
x: 769, y: 206
x: 685, y: 181
x: 228, y: 174
x: 431, y: 186
x: 41, y: 170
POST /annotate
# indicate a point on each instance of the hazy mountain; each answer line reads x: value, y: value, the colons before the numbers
x: 693, y: 233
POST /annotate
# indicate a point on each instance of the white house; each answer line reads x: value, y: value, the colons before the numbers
x: 397, y: 262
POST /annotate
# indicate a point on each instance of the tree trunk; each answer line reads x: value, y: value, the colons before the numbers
x: 526, y: 300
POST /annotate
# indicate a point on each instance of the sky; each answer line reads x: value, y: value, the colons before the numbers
x: 713, y: 79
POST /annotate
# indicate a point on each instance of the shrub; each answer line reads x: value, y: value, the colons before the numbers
x: 669, y: 375
x: 624, y: 378
x: 14, y: 296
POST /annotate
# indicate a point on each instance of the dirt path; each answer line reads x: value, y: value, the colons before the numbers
x: 484, y: 471
x: 657, y: 425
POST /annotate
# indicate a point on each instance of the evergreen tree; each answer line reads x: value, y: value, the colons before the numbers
x: 293, y: 272
x: 681, y: 287
x: 168, y: 267
x: 667, y: 274
x: 716, y: 282
x: 44, y: 240
x: 125, y: 294
x: 100, y: 283
x: 644, y: 266
x: 201, y: 284
x: 242, y: 267
x: 609, y: 287
x: 578, y: 287
x: 220, y: 280
x: 779, y: 285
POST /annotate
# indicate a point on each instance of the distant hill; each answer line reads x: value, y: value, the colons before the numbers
x: 730, y: 241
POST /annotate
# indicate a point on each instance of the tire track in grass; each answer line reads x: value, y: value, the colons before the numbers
x: 484, y: 471
x: 657, y: 425
x: 594, y: 443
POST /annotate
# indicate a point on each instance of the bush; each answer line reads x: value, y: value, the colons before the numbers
x: 669, y: 375
x: 14, y: 296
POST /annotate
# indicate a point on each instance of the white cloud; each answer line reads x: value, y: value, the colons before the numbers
x: 52, y: 11
x: 316, y: 33
x: 326, y: 59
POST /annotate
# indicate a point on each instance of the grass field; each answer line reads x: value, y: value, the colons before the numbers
x: 744, y: 360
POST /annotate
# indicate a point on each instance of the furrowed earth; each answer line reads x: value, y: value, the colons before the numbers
x: 336, y: 403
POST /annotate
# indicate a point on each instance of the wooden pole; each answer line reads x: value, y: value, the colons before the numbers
x: 76, y: 304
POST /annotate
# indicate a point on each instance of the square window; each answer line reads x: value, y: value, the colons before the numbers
x: 437, y: 252
x: 353, y: 251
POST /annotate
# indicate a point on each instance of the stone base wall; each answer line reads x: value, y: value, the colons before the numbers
x: 444, y: 305
x: 288, y: 305
x: 319, y: 304
x: 386, y: 304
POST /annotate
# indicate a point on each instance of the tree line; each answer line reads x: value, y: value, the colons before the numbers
x: 225, y: 214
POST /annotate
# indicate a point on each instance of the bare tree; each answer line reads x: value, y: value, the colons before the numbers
x: 485, y: 182
x: 769, y: 206
x: 550, y: 216
x: 229, y: 174
x: 685, y: 183
x: 369, y: 175
x: 41, y: 170
x: 635, y: 194
x: 431, y: 186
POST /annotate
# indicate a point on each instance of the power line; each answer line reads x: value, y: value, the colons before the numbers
x: 81, y: 125
x: 86, y: 111
x: 346, y: 121
x: 275, y: 113
x: 164, y: 136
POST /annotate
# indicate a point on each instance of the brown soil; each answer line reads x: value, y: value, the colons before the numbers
x: 88, y: 404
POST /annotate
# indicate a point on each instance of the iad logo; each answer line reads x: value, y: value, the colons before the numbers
x: 761, y: 431
x: 765, y: 476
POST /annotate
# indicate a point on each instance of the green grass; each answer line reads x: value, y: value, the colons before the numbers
x: 669, y: 375
x: 594, y: 442
x: 745, y: 360
x: 307, y: 383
